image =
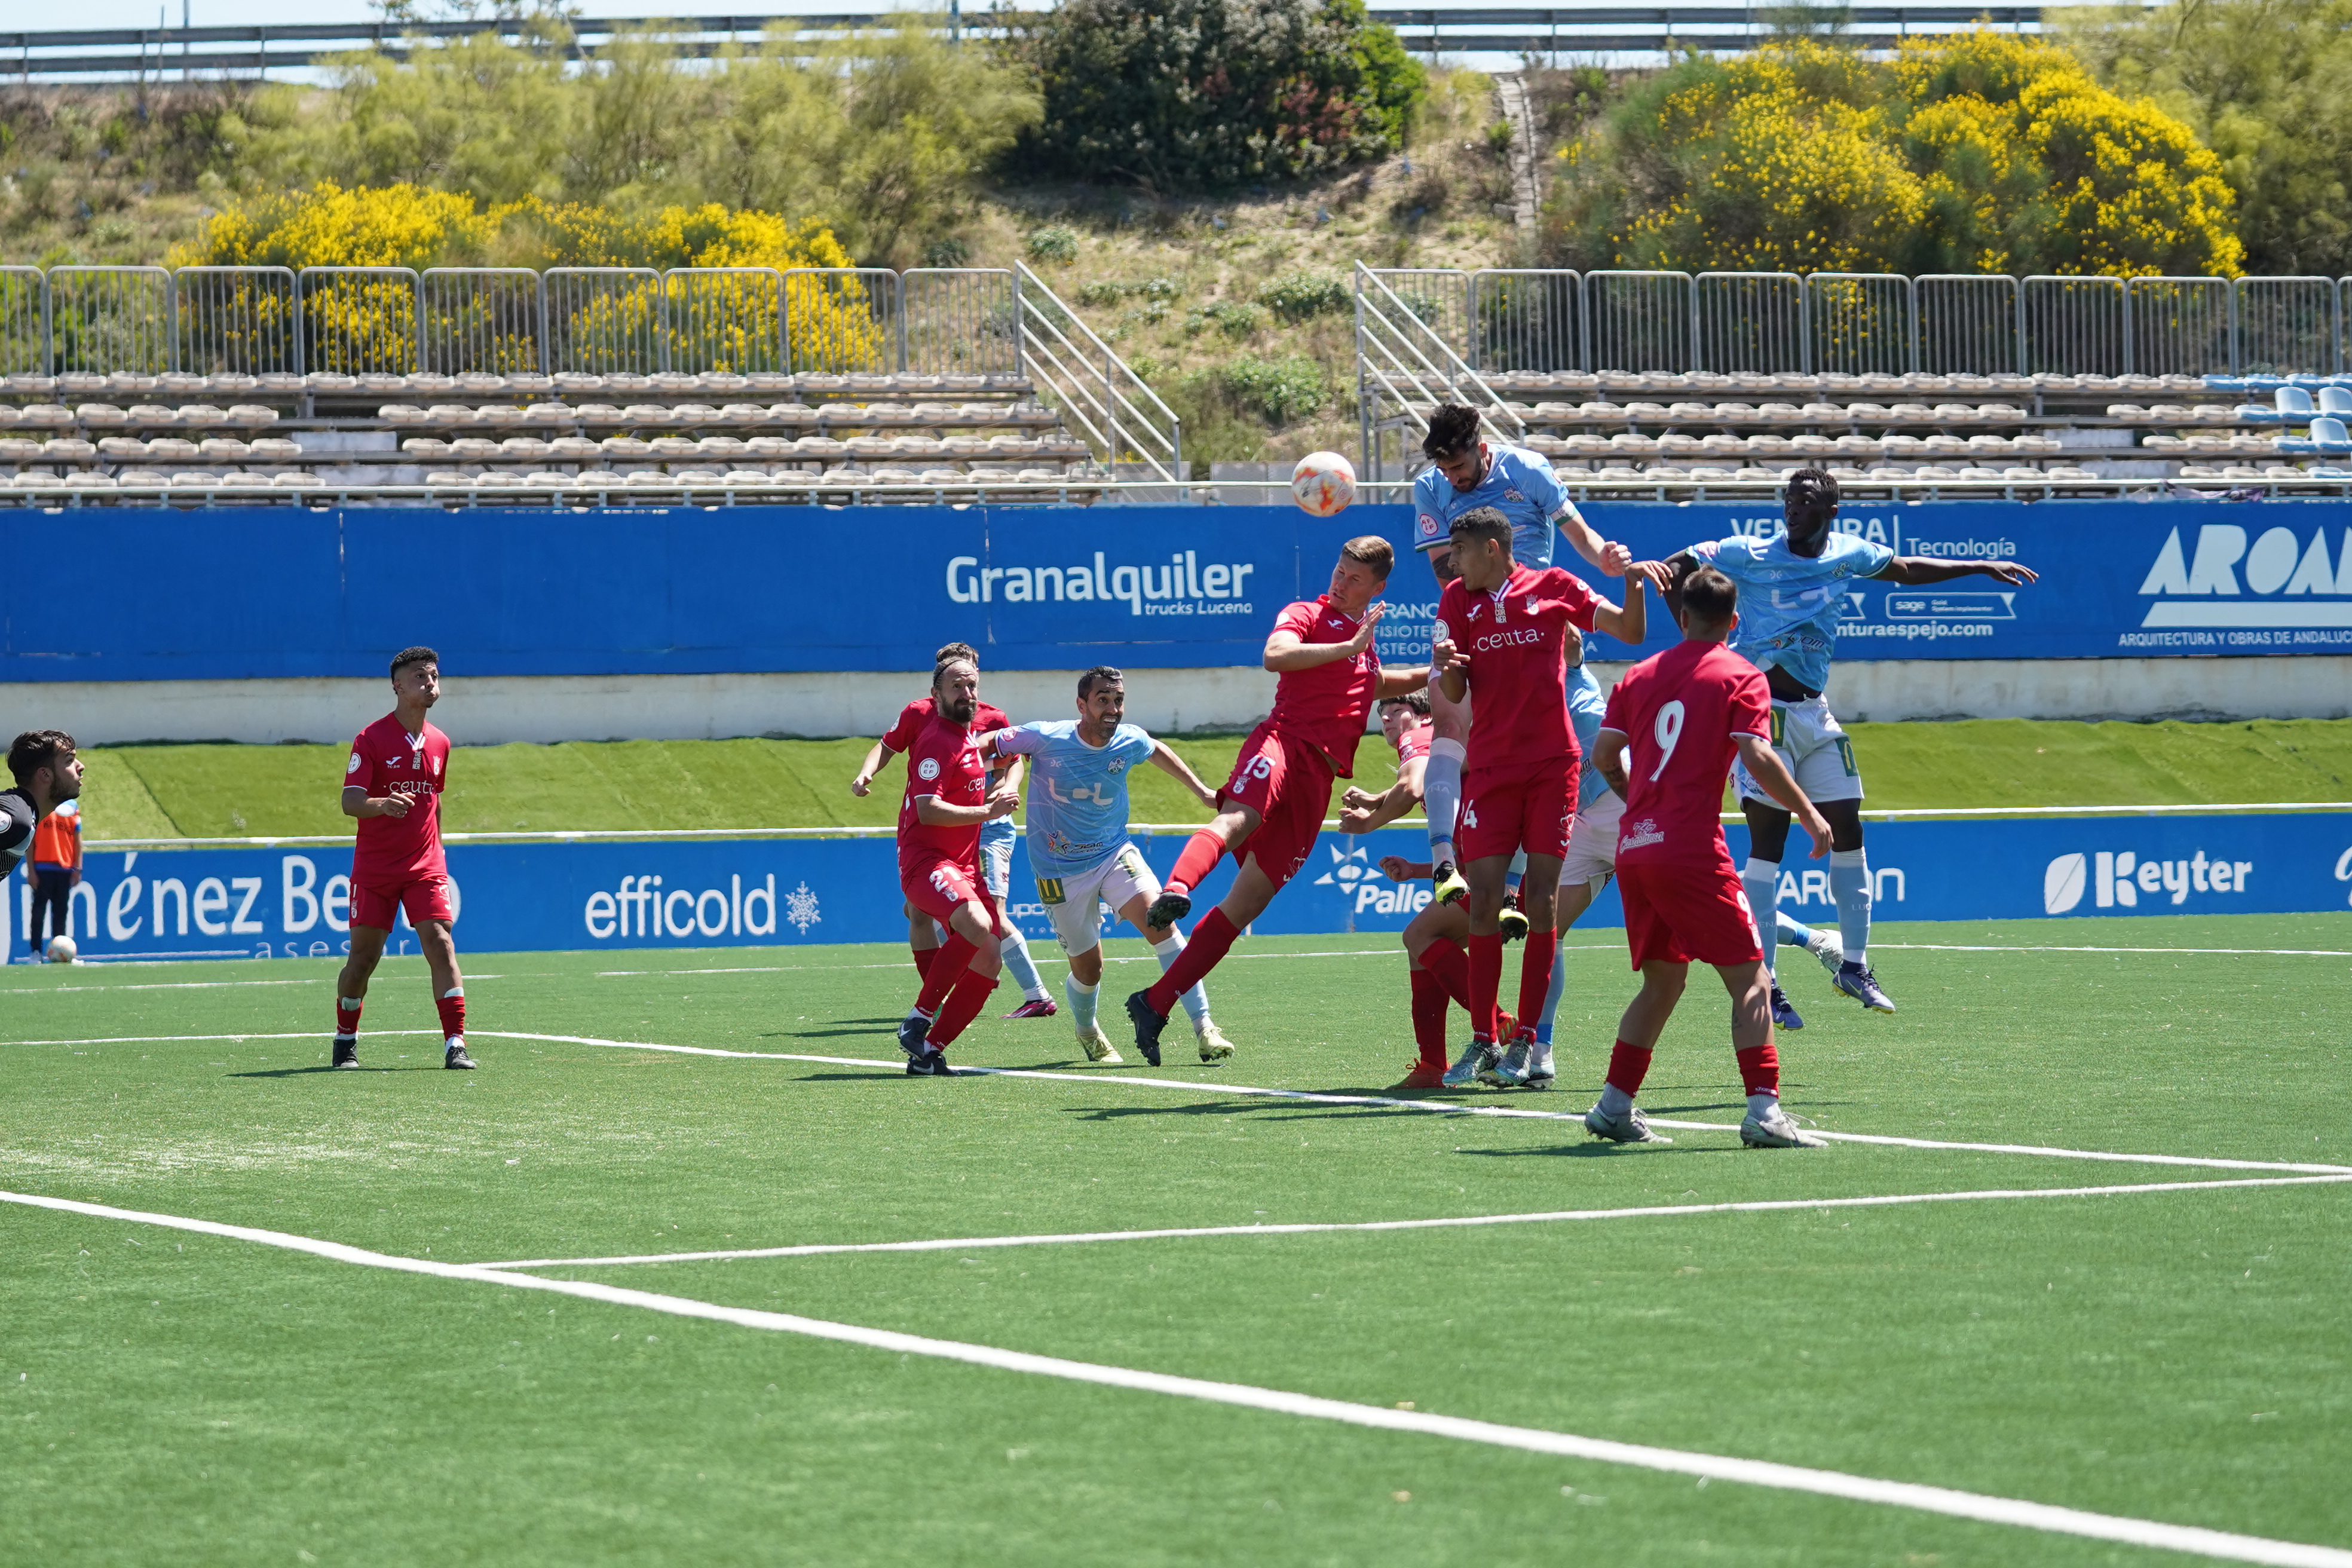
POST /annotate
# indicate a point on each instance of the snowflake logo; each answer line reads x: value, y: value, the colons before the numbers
x: 1348, y: 867
x: 799, y: 907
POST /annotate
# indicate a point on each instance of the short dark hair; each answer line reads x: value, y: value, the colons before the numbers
x: 939, y: 670
x: 1417, y: 700
x: 1100, y: 674
x: 1482, y: 523
x: 420, y: 654
x: 34, y: 750
x: 1372, y: 550
x: 1709, y: 597
x: 1452, y: 427
x: 1811, y: 501
x: 954, y: 650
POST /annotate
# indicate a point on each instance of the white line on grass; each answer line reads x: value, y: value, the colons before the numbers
x: 1977, y: 1506
x: 954, y: 1243
x: 194, y: 985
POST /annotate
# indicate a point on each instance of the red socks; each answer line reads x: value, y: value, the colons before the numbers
x: 923, y: 957
x: 452, y: 1009
x: 1429, y: 1018
x: 1212, y: 939
x: 949, y: 960
x: 1759, y: 1069
x: 963, y: 1004
x: 1485, y: 980
x: 1201, y: 852
x: 347, y: 1015
x: 1535, y: 976
x: 1628, y: 1064
x: 1451, y: 967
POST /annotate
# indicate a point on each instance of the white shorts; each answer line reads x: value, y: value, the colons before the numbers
x: 1592, y: 856
x: 1810, y: 746
x: 1071, y: 902
x: 996, y: 867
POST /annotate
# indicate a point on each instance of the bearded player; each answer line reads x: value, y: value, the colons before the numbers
x: 1674, y: 723
x: 48, y: 774
x: 1500, y: 635
x: 399, y: 766
x: 1271, y: 809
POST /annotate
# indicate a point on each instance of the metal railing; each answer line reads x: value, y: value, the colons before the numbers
x: 482, y: 321
x: 1097, y: 395
x: 236, y: 320
x: 1752, y: 321
x: 25, y: 321
x: 961, y: 320
x: 604, y: 321
x: 107, y: 319
x: 358, y: 320
x: 1405, y: 362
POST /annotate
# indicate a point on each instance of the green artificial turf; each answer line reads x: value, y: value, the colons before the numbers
x: 170, y: 1397
x: 225, y: 791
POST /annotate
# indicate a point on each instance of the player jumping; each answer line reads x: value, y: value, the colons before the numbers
x: 1271, y: 809
x: 1789, y: 583
x: 996, y: 837
x: 1673, y: 724
x: 947, y: 800
x: 1499, y: 631
x: 399, y: 766
x: 1080, y: 850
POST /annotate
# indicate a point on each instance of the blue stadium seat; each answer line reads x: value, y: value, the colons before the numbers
x: 2224, y: 383
x: 2335, y: 400
x: 2328, y: 439
x: 2305, y: 380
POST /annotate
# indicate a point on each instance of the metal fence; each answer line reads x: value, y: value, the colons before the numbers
x: 107, y: 319
x: 960, y: 321
x: 604, y: 321
x: 482, y: 321
x: 1098, y: 397
x: 236, y: 320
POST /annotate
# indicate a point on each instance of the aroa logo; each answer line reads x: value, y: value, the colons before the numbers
x: 2288, y: 580
x: 2117, y: 878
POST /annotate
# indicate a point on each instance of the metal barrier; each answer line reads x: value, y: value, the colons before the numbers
x: 1436, y: 297
x: 24, y: 321
x: 482, y: 319
x: 1860, y: 323
x: 1967, y: 323
x: 2286, y: 326
x: 1524, y: 321
x: 358, y: 320
x: 602, y: 320
x: 1751, y: 321
x: 1092, y: 388
x: 2073, y: 326
x: 110, y: 318
x: 236, y: 320
x: 1639, y: 322
x: 2181, y: 326
x: 844, y: 320
x: 960, y: 321
x: 725, y: 318
x: 1406, y: 366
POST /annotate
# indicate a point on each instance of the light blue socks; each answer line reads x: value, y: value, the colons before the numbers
x: 1850, y: 887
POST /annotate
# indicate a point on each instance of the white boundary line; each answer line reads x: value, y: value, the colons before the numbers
x: 2045, y: 1517
x: 1131, y: 1080
x: 955, y: 1244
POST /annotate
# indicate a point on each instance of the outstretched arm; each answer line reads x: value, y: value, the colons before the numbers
x: 1612, y: 559
x: 1629, y: 622
x: 1913, y: 571
x: 876, y: 755
x: 1287, y: 651
x: 1176, y: 767
x: 1380, y: 810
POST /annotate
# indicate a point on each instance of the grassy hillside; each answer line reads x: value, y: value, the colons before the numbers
x: 136, y: 792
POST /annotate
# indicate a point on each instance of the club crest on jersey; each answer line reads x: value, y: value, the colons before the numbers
x: 928, y: 769
x: 1513, y: 495
x: 353, y: 765
x: 1429, y: 526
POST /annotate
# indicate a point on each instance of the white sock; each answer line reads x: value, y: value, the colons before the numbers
x: 1082, y: 997
x: 1196, y: 1000
x: 1020, y: 965
x: 1760, y: 1105
x: 1614, y: 1102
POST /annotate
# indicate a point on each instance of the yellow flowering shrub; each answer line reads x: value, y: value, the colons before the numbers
x: 1974, y: 151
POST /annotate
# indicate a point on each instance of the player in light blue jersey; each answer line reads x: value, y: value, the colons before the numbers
x: 1791, y: 589
x: 1467, y: 472
x: 1079, y: 851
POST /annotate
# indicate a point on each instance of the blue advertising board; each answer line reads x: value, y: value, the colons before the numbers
x: 735, y: 589
x: 295, y: 901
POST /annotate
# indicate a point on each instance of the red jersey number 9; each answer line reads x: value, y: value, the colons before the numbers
x: 1668, y: 732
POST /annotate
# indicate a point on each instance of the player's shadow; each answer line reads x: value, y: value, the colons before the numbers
x: 848, y: 1027
x: 1275, y: 1111
x: 1595, y: 1149
x: 323, y: 1067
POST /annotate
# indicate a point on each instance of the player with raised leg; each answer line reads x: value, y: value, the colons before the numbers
x: 1500, y: 634
x: 399, y: 766
x: 1791, y: 586
x: 1465, y: 472
x: 947, y: 798
x: 1673, y: 724
x: 1271, y: 809
x: 1080, y: 850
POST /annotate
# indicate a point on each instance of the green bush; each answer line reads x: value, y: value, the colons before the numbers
x: 1298, y: 295
x: 1052, y: 243
x: 1232, y: 318
x: 1208, y: 94
x: 1282, y: 391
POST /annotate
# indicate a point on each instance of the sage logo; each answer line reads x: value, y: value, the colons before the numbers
x: 2281, y: 578
x: 2121, y: 879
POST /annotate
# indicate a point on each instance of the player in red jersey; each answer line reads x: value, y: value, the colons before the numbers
x: 947, y: 798
x: 1272, y: 807
x: 1673, y: 724
x: 392, y: 783
x: 1500, y: 633
x: 995, y: 842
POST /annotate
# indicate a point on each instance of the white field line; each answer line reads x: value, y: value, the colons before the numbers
x: 2045, y: 1517
x: 194, y: 985
x: 1130, y: 1081
x: 953, y: 1244
x: 2222, y: 952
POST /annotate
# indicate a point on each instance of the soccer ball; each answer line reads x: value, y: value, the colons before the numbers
x: 61, y: 950
x: 1324, y: 483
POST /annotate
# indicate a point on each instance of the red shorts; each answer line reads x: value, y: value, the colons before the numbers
x: 1682, y: 914
x: 378, y: 905
x: 939, y: 885
x: 1504, y: 811
x: 1288, y: 784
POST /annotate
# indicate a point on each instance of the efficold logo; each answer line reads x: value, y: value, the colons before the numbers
x: 2120, y: 878
x: 2278, y: 579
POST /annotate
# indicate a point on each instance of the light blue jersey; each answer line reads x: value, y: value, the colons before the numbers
x: 1586, y: 703
x: 1789, y: 602
x: 1519, y: 484
x: 1078, y: 794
